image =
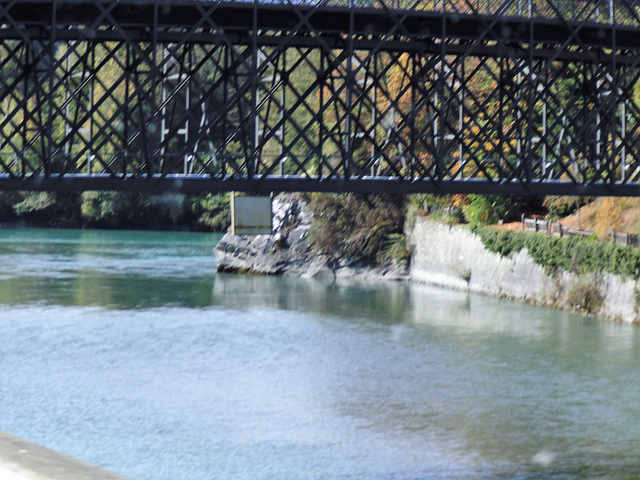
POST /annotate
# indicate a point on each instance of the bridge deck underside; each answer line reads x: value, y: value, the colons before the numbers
x: 513, y: 97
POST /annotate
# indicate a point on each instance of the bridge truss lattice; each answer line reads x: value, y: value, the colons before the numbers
x: 487, y: 96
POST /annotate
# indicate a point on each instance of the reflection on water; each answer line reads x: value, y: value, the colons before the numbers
x: 128, y: 351
x: 385, y: 303
x: 114, y: 269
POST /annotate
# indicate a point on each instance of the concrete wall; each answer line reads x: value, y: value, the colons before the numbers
x: 454, y: 257
x: 22, y: 460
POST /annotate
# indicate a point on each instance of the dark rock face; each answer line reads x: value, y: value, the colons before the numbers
x: 288, y: 251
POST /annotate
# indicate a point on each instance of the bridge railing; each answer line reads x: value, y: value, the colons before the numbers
x: 558, y: 229
x: 626, y: 239
x: 623, y: 12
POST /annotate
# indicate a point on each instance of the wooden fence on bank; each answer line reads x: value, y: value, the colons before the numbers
x: 551, y: 228
x: 556, y: 228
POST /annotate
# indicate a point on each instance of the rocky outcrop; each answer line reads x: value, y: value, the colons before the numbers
x: 288, y: 251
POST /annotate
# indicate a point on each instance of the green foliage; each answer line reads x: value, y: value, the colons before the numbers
x: 574, y: 254
x: 136, y: 210
x: 426, y: 202
x: 395, y: 248
x: 636, y: 296
x: 584, y: 296
x: 560, y: 206
x: 35, y: 202
x: 45, y: 208
x: 502, y: 242
x: 442, y: 208
x: 115, y: 209
x: 489, y: 209
x: 355, y: 227
x: 214, y: 211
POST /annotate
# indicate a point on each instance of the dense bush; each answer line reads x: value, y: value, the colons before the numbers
x: 113, y: 209
x: 213, y: 210
x: 559, y: 206
x: 41, y: 208
x: 490, y: 209
x: 585, y: 296
x: 136, y: 210
x: 442, y: 208
x: 473, y: 209
x: 117, y: 210
x: 575, y: 254
x: 357, y: 227
x: 395, y: 248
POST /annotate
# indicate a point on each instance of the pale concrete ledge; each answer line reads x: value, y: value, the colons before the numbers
x: 22, y: 460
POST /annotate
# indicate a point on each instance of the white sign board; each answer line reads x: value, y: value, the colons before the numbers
x: 251, y: 215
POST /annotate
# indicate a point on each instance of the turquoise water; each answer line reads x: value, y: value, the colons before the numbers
x: 127, y: 350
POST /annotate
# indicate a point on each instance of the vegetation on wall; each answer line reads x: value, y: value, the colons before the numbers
x: 349, y: 226
x: 585, y: 296
x: 573, y: 254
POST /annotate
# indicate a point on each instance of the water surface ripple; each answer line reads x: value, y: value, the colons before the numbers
x: 125, y: 349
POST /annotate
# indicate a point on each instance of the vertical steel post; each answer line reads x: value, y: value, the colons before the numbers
x: 47, y: 149
x: 413, y: 118
x: 321, y: 129
x: 350, y: 80
x: 253, y: 160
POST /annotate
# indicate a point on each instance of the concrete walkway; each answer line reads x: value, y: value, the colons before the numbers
x: 22, y: 460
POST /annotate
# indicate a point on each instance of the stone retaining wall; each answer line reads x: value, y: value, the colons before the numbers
x: 452, y: 256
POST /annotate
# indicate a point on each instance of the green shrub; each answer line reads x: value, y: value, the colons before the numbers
x: 489, y: 209
x: 574, y: 254
x: 35, y: 202
x: 500, y: 241
x: 55, y: 209
x: 560, y: 206
x: 584, y: 296
x: 442, y: 208
x: 353, y: 226
x: 214, y: 211
x: 115, y: 209
x: 395, y: 248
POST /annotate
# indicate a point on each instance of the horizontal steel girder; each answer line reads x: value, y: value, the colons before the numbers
x: 197, y: 184
x: 526, y: 97
x: 165, y: 22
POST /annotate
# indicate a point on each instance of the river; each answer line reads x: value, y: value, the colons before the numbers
x: 127, y: 350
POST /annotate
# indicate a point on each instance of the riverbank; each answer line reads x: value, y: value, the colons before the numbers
x: 448, y: 256
x: 455, y: 257
x: 116, y: 210
x: 22, y: 460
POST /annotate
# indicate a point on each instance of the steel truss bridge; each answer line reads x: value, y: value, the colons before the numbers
x: 528, y: 97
